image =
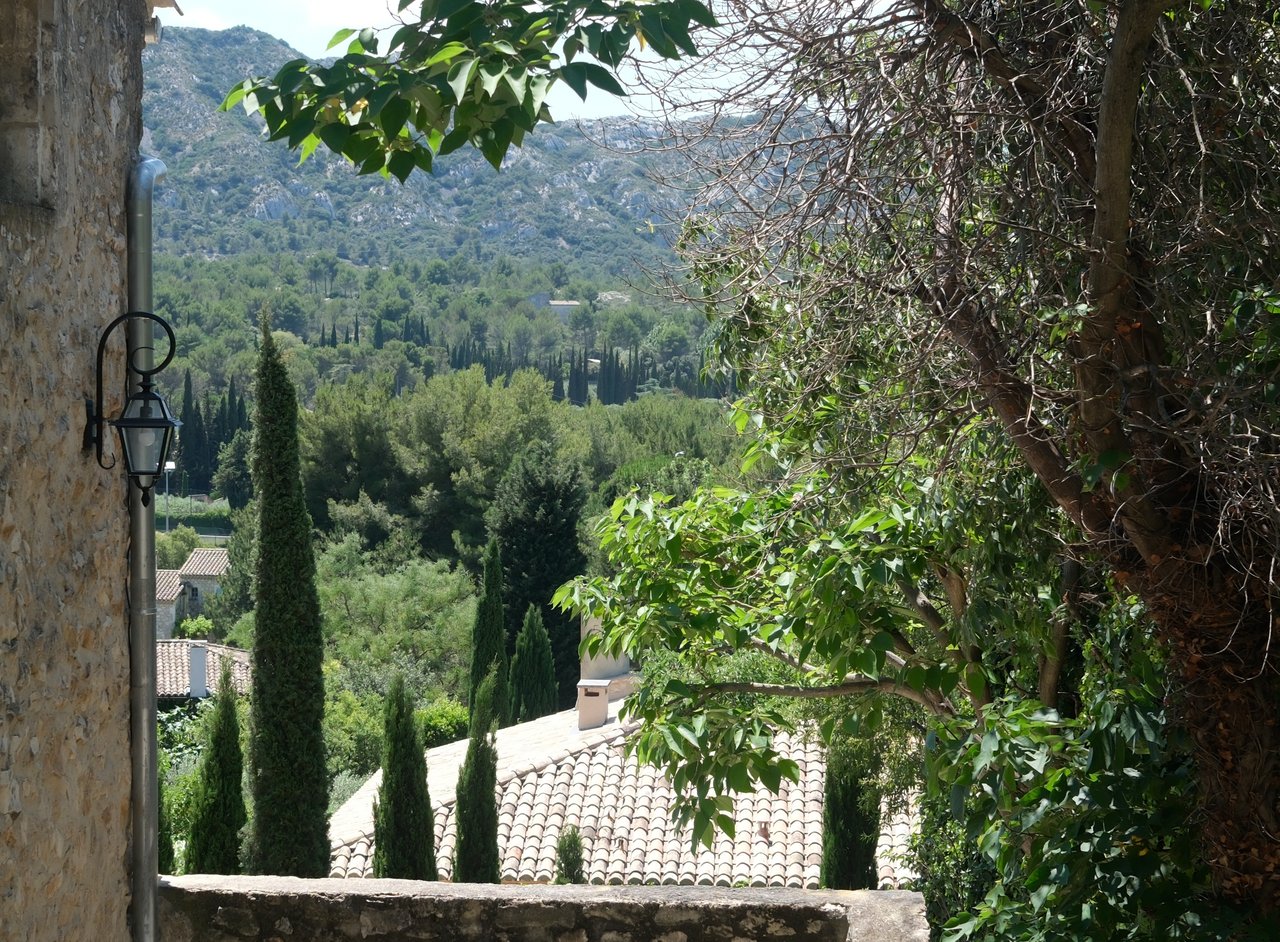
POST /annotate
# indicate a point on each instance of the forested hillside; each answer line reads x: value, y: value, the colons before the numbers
x: 577, y: 195
x: 541, y: 266
x: 477, y: 355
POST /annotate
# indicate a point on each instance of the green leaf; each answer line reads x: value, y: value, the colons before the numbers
x: 602, y: 78
x: 394, y: 116
x: 575, y: 76
x: 308, y: 147
x: 235, y: 96
x: 446, y: 52
x: 490, y: 75
x: 460, y: 74
x: 401, y: 164
x: 340, y: 36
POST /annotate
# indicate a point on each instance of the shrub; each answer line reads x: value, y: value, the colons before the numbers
x: 569, y: 857
x: 442, y: 722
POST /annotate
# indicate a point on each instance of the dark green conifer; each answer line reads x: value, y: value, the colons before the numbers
x: 475, y: 855
x: 533, y: 671
x: 850, y: 824
x: 217, y: 807
x: 534, y: 519
x: 403, y: 824
x: 489, y: 636
x: 288, y: 777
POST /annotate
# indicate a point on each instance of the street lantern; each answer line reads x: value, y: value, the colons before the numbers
x: 146, y: 425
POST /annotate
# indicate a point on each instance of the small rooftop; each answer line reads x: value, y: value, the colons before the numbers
x: 173, y: 668
x: 168, y: 585
x: 552, y: 775
x: 205, y: 562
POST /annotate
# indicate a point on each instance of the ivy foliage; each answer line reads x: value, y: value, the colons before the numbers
x: 465, y: 72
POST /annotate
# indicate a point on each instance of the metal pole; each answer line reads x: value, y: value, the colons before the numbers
x: 144, y: 793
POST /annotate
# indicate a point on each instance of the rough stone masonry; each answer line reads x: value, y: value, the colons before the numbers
x: 70, y: 121
x: 282, y: 909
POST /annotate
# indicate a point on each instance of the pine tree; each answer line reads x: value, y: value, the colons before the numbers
x: 218, y: 812
x: 533, y: 671
x: 475, y: 855
x: 534, y: 519
x: 289, y: 782
x: 489, y: 636
x: 403, y: 824
x: 850, y: 825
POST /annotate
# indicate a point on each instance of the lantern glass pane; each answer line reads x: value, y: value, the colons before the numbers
x: 146, y: 430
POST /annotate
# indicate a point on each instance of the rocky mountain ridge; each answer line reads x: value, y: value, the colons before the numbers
x: 581, y: 193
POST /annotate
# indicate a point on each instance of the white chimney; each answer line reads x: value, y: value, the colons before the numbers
x: 198, y: 656
x: 598, y: 667
x: 593, y: 703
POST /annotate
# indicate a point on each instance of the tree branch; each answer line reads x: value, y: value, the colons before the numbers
x: 951, y: 29
x: 1050, y: 672
x: 925, y: 610
x: 1120, y: 339
x: 852, y: 685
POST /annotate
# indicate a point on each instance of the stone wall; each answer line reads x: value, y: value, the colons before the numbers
x: 69, y: 126
x: 282, y: 909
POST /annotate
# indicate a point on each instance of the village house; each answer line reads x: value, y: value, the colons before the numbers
x: 553, y: 773
x: 188, y: 670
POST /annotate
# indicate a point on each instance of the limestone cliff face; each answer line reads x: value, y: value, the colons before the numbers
x: 67, y: 139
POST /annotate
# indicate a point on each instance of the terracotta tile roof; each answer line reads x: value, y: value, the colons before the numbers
x: 622, y: 809
x: 173, y: 667
x: 168, y: 585
x: 205, y: 562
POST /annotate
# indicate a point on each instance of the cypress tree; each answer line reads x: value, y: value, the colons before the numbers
x: 403, y: 824
x: 850, y: 825
x: 534, y: 519
x: 489, y: 636
x: 475, y: 855
x: 289, y: 782
x: 533, y: 671
x: 217, y: 812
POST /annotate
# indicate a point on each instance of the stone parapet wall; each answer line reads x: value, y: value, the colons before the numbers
x: 69, y: 128
x: 282, y: 909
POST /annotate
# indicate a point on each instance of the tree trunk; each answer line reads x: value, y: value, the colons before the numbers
x: 1218, y: 625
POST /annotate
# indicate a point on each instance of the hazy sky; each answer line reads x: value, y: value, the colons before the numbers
x: 308, y: 25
